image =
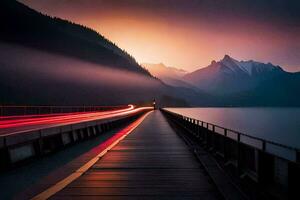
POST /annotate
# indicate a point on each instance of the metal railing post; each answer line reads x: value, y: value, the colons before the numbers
x: 239, y: 162
x: 225, y: 145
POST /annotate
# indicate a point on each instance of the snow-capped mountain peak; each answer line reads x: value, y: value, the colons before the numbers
x: 230, y: 75
x: 249, y: 67
x: 231, y: 64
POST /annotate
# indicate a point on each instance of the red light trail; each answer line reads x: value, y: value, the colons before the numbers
x: 13, y: 126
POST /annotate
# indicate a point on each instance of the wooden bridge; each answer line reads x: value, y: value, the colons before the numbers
x: 148, y: 158
x: 147, y: 164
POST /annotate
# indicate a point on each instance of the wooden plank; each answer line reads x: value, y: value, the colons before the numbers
x: 150, y: 163
x: 206, y: 196
x: 128, y: 191
x: 136, y: 184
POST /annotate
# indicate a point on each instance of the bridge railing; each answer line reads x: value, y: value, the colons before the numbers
x: 7, y: 110
x: 264, y: 162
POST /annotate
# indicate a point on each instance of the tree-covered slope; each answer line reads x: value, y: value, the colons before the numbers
x: 24, y: 26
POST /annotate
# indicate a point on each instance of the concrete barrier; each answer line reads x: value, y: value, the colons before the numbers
x: 19, y: 147
x: 21, y: 152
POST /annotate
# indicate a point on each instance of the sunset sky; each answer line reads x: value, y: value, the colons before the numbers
x: 189, y: 34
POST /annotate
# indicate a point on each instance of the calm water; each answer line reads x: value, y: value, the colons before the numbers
x: 281, y: 125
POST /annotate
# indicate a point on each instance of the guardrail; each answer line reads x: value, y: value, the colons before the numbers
x: 268, y: 164
x: 8, y: 110
x: 16, y: 148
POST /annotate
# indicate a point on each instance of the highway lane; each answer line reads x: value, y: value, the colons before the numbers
x: 4, y: 119
x: 53, y: 113
x: 16, y: 126
x: 47, y: 118
x: 24, y: 177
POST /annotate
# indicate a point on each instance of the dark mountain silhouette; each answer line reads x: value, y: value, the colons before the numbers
x: 24, y: 26
x: 45, y: 60
x: 229, y: 76
x: 280, y: 90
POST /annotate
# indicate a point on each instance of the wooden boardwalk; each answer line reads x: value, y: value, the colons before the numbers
x: 152, y: 162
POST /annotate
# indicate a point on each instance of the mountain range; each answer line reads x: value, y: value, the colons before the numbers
x: 160, y: 70
x: 47, y: 60
x: 229, y: 76
x: 241, y: 83
x: 169, y: 75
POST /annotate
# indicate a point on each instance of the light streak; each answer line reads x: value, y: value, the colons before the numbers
x: 9, y: 127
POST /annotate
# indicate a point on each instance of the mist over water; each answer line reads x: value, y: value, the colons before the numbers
x: 281, y: 125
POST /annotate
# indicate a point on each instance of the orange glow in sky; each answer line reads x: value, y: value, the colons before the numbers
x: 179, y: 39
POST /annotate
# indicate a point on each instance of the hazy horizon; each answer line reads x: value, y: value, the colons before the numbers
x: 164, y: 31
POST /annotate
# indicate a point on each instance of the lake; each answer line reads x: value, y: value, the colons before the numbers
x: 281, y: 125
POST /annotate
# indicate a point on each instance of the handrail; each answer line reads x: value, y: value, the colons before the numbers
x: 252, y: 137
x: 263, y: 141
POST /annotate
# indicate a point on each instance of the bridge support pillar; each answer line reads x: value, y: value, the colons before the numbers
x: 88, y: 131
x: 74, y: 136
x: 94, y: 131
x: 81, y: 134
x: 99, y: 129
x: 66, y: 139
